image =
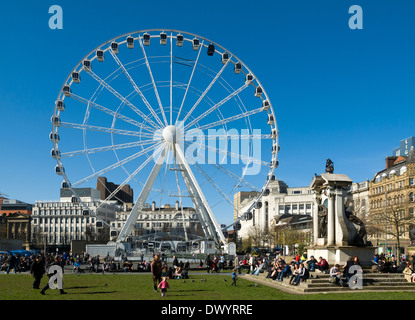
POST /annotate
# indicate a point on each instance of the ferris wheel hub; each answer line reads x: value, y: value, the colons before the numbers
x: 171, y: 134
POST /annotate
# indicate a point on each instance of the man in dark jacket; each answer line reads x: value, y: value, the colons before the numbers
x: 156, y: 271
x: 13, y: 261
x: 97, y: 262
x: 37, y: 269
x: 312, y: 263
x: 50, y: 274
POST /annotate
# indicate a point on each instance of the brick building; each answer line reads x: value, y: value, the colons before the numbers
x: 124, y: 195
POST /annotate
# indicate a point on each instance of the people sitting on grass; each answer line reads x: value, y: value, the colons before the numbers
x: 128, y: 266
x: 178, y: 273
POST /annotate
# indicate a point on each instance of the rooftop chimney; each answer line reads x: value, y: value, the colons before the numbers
x: 390, y: 160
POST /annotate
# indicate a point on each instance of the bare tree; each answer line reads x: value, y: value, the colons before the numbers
x: 396, y: 218
x: 258, y: 237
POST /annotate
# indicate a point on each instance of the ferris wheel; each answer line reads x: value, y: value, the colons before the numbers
x: 175, y: 116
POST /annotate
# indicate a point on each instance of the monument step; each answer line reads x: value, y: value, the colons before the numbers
x: 324, y: 283
x: 367, y: 284
x: 365, y: 281
x: 346, y: 289
x: 392, y: 283
x: 325, y: 277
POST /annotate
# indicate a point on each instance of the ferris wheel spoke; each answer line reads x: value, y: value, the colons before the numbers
x: 122, y: 98
x: 106, y: 130
x: 209, y: 179
x: 152, y: 80
x: 226, y: 120
x: 171, y: 78
x: 238, y: 179
x: 205, y: 92
x: 106, y: 148
x: 130, y: 177
x: 190, y: 80
x: 179, y: 190
x: 167, y: 148
x: 248, y: 159
x: 136, y: 88
x: 232, y: 175
x: 111, y: 112
x: 213, y: 108
x: 115, y: 165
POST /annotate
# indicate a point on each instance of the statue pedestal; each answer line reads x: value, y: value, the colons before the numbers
x: 340, y: 254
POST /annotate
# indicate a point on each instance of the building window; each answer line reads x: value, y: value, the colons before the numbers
x: 411, y: 181
x: 411, y: 197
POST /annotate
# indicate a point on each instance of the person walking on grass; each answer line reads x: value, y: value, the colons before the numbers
x: 37, y: 269
x: 50, y: 274
x: 234, y: 277
x: 155, y: 267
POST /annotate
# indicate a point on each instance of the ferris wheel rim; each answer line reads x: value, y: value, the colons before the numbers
x: 140, y: 32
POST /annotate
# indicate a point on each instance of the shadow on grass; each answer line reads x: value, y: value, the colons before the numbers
x: 96, y: 292
x: 84, y: 287
x: 192, y: 290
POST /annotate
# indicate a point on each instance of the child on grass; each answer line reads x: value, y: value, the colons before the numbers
x: 164, y: 285
x: 234, y: 277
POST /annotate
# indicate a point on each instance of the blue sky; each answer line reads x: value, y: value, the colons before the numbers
x: 339, y: 93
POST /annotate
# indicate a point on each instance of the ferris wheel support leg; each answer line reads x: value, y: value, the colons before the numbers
x: 139, y: 205
x: 207, y: 214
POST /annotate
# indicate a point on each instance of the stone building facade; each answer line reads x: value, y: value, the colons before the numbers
x: 392, y: 199
x: 281, y: 201
x: 16, y: 226
x: 161, y: 223
x: 56, y: 223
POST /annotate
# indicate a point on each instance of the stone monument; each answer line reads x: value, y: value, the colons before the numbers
x: 337, y: 233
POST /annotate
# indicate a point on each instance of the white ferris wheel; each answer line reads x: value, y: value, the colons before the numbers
x: 174, y: 115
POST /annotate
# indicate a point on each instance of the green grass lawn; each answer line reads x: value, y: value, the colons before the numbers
x: 139, y: 287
